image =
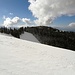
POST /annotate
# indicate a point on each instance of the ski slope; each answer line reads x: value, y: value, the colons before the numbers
x: 21, y: 57
x: 29, y: 37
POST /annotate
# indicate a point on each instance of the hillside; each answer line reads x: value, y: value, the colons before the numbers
x: 21, y: 57
x: 19, y: 33
x: 45, y: 35
x: 53, y: 37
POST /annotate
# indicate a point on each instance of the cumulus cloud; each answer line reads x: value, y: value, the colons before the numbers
x: 8, y: 21
x: 15, y: 20
x: 27, y: 21
x: 72, y: 24
x: 47, y: 10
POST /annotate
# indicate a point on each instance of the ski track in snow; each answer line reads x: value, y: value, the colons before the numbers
x: 21, y: 57
x: 29, y: 37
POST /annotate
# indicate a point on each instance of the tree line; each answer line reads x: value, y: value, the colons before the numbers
x: 54, y: 37
x: 16, y: 32
x: 46, y: 35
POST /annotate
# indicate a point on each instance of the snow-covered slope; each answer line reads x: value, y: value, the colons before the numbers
x: 29, y: 37
x: 20, y: 57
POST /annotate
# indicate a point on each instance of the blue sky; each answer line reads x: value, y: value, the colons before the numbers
x: 64, y: 20
x: 19, y: 8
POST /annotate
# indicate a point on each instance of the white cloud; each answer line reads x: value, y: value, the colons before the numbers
x: 27, y: 21
x: 8, y: 21
x: 32, y: 1
x: 16, y: 21
x: 47, y: 10
x: 72, y: 24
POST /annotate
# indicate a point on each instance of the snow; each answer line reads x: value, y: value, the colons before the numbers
x: 21, y: 57
x: 29, y: 37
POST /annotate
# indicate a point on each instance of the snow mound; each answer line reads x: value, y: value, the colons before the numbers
x: 20, y: 57
x: 29, y: 37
